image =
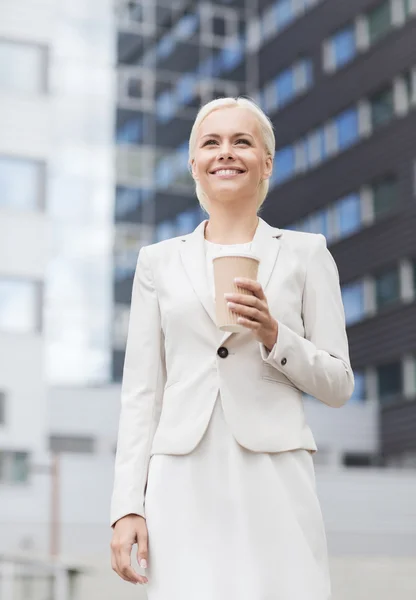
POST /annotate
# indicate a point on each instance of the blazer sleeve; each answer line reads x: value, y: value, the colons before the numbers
x: 144, y: 377
x: 318, y: 363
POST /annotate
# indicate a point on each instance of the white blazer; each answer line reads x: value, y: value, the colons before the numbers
x: 173, y: 372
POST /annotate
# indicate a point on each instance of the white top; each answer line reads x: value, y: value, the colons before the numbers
x: 213, y: 250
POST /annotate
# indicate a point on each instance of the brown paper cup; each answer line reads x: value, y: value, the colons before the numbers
x: 226, y: 268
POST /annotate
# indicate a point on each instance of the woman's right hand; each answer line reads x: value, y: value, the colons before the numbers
x: 129, y: 530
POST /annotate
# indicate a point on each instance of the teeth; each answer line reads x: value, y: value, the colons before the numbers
x: 227, y: 172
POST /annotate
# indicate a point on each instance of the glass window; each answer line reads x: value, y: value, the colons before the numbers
x: 344, y: 46
x: 21, y: 183
x: 285, y: 85
x: 379, y: 21
x: 347, y: 128
x: 353, y: 300
x: 165, y: 230
x: 131, y: 131
x: 127, y: 201
x: 308, y: 73
x: 166, y: 46
x: 387, y: 288
x: 186, y: 222
x: 164, y: 172
x: 348, y: 214
x: 165, y: 107
x: 390, y: 382
x: 318, y: 223
x: 359, y: 394
x: 408, y: 8
x: 315, y: 147
x: 14, y: 466
x: 284, y: 164
x: 186, y: 27
x: 185, y: 88
x: 382, y: 107
x: 284, y: 13
x: 19, y: 306
x: 410, y: 83
x: 385, y: 195
x: 22, y: 67
x: 232, y: 55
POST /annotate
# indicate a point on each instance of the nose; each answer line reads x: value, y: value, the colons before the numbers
x: 225, y: 152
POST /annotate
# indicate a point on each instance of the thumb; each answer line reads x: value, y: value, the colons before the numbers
x: 142, y: 548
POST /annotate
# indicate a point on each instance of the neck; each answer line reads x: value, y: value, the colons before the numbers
x: 231, y: 230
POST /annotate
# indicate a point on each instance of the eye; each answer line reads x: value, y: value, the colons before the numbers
x: 209, y: 142
x: 244, y: 141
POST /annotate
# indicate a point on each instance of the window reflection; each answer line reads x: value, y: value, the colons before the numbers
x: 21, y: 183
x: 19, y: 306
x: 348, y: 214
x: 353, y: 301
x: 22, y: 67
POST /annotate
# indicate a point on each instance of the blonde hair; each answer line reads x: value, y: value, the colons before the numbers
x: 266, y: 128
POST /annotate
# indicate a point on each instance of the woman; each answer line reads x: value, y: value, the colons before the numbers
x: 214, y: 476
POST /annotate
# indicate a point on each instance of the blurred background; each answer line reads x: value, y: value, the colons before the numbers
x: 97, y: 99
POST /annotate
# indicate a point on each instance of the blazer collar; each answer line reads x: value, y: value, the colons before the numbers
x: 265, y: 244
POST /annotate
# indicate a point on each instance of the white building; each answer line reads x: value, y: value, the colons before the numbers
x: 56, y: 188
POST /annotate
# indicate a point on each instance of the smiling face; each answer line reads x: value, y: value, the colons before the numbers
x: 230, y: 158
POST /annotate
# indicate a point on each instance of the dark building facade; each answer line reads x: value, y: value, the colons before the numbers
x: 338, y: 80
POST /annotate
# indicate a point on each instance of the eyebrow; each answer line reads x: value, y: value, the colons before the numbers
x: 234, y: 135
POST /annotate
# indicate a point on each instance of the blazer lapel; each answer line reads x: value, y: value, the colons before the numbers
x: 265, y: 244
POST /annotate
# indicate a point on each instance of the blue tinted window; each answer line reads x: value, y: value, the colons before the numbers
x: 284, y: 164
x: 318, y: 223
x: 348, y: 212
x: 284, y: 13
x: 315, y: 147
x: 186, y: 221
x: 20, y: 183
x: 165, y: 230
x: 307, y: 65
x: 165, y: 108
x: 19, y: 305
x: 344, y: 46
x: 232, y: 55
x: 166, y: 46
x: 186, y: 27
x: 130, y: 132
x: 285, y: 86
x: 127, y: 200
x: 181, y: 158
x: 359, y: 394
x: 164, y: 172
x: 347, y: 128
x: 206, y: 68
x: 353, y: 300
x: 185, y: 88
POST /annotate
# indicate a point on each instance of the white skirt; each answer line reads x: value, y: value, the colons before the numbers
x: 226, y: 523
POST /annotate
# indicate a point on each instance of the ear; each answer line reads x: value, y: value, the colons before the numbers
x: 193, y: 170
x: 268, y: 167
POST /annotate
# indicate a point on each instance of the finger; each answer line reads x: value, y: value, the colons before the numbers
x: 125, y: 569
x: 252, y: 285
x: 253, y: 325
x: 247, y: 311
x: 247, y: 299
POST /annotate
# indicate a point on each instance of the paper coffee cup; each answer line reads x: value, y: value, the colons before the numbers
x: 226, y: 268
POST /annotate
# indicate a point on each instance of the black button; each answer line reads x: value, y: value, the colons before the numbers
x: 283, y: 361
x: 223, y: 352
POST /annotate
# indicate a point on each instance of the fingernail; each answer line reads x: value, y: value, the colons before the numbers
x: 143, y: 563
